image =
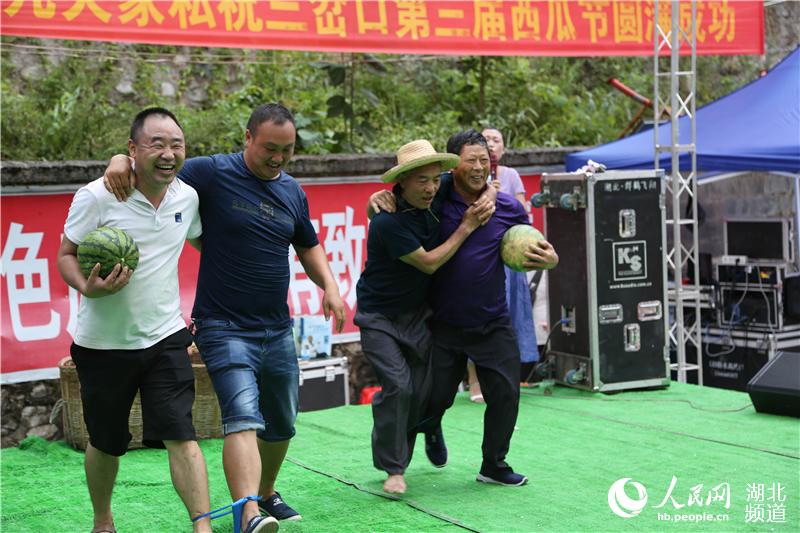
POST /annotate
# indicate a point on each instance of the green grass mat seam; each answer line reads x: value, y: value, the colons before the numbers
x: 411, y: 503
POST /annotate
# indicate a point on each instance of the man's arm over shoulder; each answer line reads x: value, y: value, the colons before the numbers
x: 381, y: 201
x: 119, y: 178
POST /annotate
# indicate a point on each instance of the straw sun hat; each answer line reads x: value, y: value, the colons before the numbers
x: 418, y: 154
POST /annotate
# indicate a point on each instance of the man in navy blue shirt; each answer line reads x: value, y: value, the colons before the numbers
x: 403, y: 252
x: 470, y: 314
x: 253, y: 211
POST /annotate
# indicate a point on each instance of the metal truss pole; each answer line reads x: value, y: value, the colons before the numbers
x: 684, y: 331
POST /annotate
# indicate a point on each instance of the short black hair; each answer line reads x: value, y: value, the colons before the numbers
x: 275, y: 113
x: 465, y: 138
x: 138, y: 120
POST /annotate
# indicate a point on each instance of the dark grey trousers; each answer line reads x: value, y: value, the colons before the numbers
x: 399, y: 349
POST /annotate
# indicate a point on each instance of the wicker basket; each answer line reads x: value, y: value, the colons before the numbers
x: 205, y: 411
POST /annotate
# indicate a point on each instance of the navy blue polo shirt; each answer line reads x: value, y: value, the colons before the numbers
x: 469, y: 290
x: 388, y: 285
x: 248, y: 225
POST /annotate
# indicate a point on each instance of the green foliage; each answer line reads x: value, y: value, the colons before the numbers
x: 342, y: 102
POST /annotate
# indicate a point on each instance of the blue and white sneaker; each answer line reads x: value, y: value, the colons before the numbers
x: 275, y: 506
x: 508, y: 478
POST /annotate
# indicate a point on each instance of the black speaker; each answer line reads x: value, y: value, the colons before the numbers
x: 776, y: 387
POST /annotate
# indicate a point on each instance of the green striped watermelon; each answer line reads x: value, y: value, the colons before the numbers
x: 107, y: 246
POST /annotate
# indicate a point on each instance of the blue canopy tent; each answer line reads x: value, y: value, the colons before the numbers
x: 755, y: 128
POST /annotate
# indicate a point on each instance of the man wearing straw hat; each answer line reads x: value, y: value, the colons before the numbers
x: 403, y: 251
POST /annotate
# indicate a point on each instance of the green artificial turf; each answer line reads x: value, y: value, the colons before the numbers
x: 573, y: 445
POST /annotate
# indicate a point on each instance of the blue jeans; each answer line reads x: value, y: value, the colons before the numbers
x: 255, y: 376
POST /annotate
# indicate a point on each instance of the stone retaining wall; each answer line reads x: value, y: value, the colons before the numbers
x: 27, y: 409
x: 32, y: 408
x: 49, y: 173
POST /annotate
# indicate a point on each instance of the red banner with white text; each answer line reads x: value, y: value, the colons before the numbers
x: 39, y: 311
x: 536, y: 28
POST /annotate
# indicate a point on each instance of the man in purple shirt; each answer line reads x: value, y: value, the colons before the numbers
x: 470, y: 314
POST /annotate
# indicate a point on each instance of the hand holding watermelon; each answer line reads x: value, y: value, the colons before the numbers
x: 115, y: 281
x: 107, y: 257
x: 523, y: 248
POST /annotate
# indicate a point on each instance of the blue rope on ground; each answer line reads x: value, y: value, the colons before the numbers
x: 235, y: 508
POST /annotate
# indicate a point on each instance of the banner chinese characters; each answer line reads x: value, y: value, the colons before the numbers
x: 544, y: 28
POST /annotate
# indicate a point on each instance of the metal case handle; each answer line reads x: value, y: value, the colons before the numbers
x: 627, y: 223
x: 633, y: 338
x: 610, y: 314
x: 650, y: 310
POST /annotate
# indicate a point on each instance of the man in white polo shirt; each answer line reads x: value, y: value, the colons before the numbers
x: 131, y: 336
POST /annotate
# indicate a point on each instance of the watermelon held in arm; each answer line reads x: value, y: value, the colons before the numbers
x: 516, y: 241
x: 107, y: 246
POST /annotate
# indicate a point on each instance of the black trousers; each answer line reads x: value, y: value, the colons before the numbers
x: 494, y: 350
x: 398, y: 348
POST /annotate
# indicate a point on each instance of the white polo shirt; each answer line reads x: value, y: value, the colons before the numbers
x: 147, y: 310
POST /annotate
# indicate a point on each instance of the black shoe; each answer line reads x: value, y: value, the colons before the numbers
x: 435, y: 448
x: 275, y: 506
x: 262, y: 524
x: 508, y: 478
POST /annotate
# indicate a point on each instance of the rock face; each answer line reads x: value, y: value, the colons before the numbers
x: 27, y: 409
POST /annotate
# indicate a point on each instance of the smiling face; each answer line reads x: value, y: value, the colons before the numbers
x: 420, y: 185
x: 269, y: 148
x: 495, y: 141
x: 471, y: 173
x: 159, y: 151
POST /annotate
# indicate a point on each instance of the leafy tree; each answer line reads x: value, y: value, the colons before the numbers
x: 342, y: 102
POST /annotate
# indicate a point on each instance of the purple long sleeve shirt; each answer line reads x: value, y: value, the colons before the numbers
x: 469, y: 290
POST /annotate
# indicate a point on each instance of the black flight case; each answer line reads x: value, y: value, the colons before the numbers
x: 609, y: 289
